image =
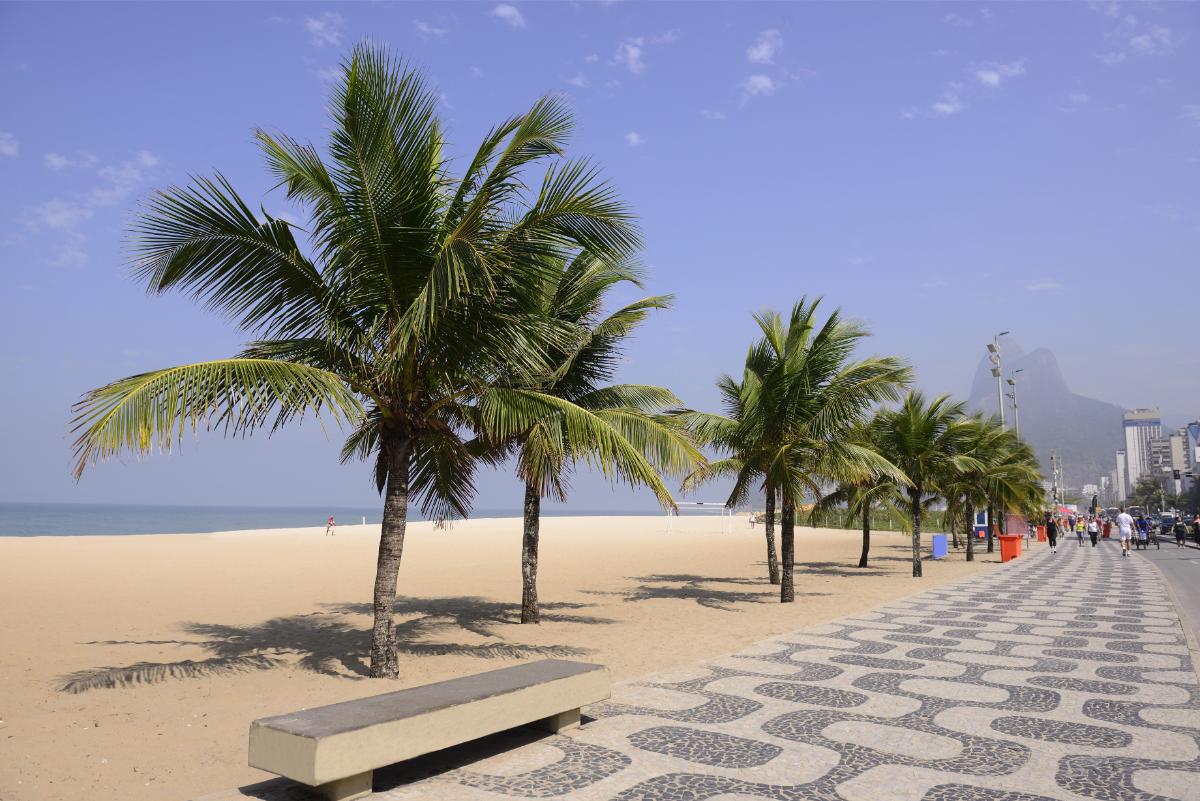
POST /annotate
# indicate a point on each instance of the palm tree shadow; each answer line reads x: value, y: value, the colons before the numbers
x: 333, y: 642
x: 691, y: 587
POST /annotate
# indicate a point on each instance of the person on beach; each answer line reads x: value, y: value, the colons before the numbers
x: 1093, y: 528
x: 1080, y: 527
x: 1180, y: 531
x: 330, y: 527
x: 1052, y: 533
x: 1124, y: 530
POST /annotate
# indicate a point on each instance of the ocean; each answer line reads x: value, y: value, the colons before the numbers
x: 71, y: 519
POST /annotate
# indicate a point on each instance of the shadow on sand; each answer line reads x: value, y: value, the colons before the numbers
x: 691, y: 587
x: 335, y: 642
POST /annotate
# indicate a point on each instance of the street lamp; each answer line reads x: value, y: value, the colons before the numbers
x: 1012, y: 382
x: 994, y: 354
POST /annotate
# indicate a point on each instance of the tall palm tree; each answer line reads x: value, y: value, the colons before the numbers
x: 721, y: 432
x: 799, y: 406
x: 396, y: 311
x: 573, y: 297
x: 965, y: 487
x: 861, y: 497
x: 927, y: 440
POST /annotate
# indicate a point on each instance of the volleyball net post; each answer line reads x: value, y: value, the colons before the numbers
x: 706, y: 507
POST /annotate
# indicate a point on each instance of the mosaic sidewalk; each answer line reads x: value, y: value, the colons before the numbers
x: 1054, y: 677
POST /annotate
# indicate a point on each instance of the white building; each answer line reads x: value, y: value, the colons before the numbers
x: 1141, y: 427
x: 1120, y: 477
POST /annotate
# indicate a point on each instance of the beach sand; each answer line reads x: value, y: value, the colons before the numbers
x: 131, y: 667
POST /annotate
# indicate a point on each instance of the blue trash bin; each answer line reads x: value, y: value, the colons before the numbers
x: 940, y: 550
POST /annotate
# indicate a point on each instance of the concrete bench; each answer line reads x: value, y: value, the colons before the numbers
x: 335, y: 748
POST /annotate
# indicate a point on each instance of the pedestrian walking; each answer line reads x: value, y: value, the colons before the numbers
x: 1080, y: 527
x: 1180, y: 532
x: 330, y: 527
x: 1093, y: 528
x: 1052, y: 532
x: 1124, y: 530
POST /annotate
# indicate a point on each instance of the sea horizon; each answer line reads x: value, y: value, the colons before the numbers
x: 69, y: 519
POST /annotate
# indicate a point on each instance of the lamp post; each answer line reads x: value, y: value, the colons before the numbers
x: 1012, y: 382
x: 994, y: 354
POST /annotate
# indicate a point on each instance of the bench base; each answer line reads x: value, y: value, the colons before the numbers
x: 357, y: 786
x: 560, y: 722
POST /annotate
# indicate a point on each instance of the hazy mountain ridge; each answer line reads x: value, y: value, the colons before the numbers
x: 1084, y: 431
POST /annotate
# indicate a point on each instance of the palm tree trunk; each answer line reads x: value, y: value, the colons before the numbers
x: 862, y: 560
x: 384, y: 663
x: 914, y: 496
x: 787, y: 589
x: 991, y: 544
x: 970, y: 532
x: 529, y: 556
x: 772, y: 559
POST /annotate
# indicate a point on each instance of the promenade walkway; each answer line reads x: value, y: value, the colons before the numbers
x: 1054, y: 677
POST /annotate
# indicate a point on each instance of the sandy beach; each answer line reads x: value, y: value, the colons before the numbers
x: 131, y: 666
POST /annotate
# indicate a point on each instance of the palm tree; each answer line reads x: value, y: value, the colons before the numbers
x: 966, y: 488
x: 720, y: 432
x: 926, y: 440
x: 862, y: 497
x: 399, y: 311
x: 802, y: 398
x: 573, y: 297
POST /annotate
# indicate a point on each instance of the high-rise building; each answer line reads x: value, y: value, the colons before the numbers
x: 1141, y: 427
x: 1191, y: 453
x: 1120, y: 477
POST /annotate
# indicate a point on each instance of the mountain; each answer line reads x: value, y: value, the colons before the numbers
x: 1085, y: 432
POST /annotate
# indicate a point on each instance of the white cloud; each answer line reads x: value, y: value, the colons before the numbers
x: 634, y: 139
x: 327, y: 29
x: 578, y: 79
x: 631, y: 49
x: 510, y: 15
x: 1191, y: 113
x: 909, y: 113
x: 66, y: 216
x: 9, y: 146
x: 994, y: 74
x: 429, y: 31
x: 1079, y: 99
x: 61, y: 215
x: 629, y: 55
x: 765, y: 47
x: 591, y: 58
x: 759, y: 85
x: 1133, y: 38
x: 476, y: 72
x: 1044, y: 285
x: 712, y: 115
x: 57, y: 161
x: 948, y: 106
x: 933, y: 284
x: 957, y: 20
x: 329, y: 74
x: 1157, y: 41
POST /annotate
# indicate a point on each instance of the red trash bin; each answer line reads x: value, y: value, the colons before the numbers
x: 1041, y: 534
x: 1010, y: 547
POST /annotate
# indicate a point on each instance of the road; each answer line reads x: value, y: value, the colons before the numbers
x: 1181, y: 567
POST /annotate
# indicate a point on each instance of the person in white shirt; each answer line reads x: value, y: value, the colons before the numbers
x: 1093, y: 528
x: 1125, y: 529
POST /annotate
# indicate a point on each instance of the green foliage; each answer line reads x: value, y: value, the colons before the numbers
x: 788, y: 422
x: 412, y: 298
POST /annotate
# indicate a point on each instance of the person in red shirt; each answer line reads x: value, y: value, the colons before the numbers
x: 330, y: 527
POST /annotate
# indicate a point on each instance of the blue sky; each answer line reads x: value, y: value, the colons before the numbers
x: 942, y: 171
